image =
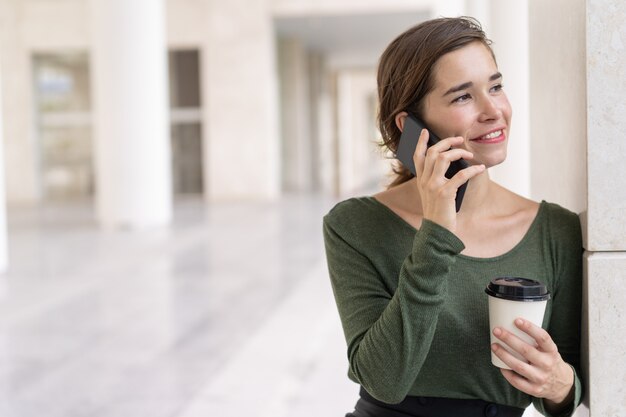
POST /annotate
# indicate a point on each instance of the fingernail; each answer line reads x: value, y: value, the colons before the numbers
x: 494, y: 347
x: 497, y: 331
x: 519, y: 322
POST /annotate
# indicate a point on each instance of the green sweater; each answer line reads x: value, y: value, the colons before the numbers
x: 414, y: 311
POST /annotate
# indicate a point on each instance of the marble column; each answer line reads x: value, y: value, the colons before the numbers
x: 507, y: 26
x: 578, y: 119
x: 242, y: 154
x: 557, y: 105
x: 130, y: 108
x: 605, y: 261
x: 4, y: 255
x: 297, y: 169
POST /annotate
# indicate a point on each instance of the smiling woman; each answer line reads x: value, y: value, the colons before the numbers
x: 477, y: 109
x: 409, y: 271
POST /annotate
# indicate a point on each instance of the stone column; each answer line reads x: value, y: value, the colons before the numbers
x: 242, y: 153
x: 22, y: 182
x: 557, y: 105
x: 130, y: 107
x: 605, y: 261
x: 4, y: 253
x: 578, y: 120
x: 297, y: 155
x: 508, y: 28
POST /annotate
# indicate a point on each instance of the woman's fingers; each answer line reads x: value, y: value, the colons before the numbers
x: 436, y: 191
x: 540, y: 373
x: 437, y: 158
x: 465, y: 175
x: 419, y: 155
x: 541, y: 336
x: 443, y: 160
x: 526, y: 351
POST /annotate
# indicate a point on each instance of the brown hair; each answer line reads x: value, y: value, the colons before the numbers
x: 405, y: 73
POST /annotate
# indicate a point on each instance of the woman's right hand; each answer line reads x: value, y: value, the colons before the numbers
x: 437, y: 192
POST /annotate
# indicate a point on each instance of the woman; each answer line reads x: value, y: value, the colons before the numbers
x: 409, y: 272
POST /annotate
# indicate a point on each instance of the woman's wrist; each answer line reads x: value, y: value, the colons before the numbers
x: 566, y: 395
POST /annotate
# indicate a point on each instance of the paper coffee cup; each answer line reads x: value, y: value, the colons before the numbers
x: 509, y: 299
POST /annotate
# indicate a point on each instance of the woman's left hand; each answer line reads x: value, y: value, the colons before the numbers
x: 544, y: 374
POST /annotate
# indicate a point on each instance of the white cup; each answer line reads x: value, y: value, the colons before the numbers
x: 511, y: 298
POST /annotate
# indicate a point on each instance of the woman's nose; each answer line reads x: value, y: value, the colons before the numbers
x: 490, y: 109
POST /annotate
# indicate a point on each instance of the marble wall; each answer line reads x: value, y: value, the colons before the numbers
x: 605, y: 274
x: 578, y: 117
x: 606, y: 200
x: 557, y: 102
x: 606, y: 124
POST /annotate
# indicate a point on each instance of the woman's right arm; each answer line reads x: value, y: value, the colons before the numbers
x: 389, y: 335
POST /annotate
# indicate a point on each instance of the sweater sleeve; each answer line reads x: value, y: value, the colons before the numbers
x: 389, y: 335
x: 564, y: 326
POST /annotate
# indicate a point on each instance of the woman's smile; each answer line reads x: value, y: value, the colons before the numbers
x: 493, y: 137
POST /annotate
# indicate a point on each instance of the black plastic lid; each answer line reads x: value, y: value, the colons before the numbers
x: 517, y: 289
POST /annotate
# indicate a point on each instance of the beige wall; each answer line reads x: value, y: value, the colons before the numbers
x: 578, y: 116
x: 606, y: 206
x: 509, y: 31
x: 606, y: 124
x: 22, y: 183
x: 295, y: 120
x: 557, y: 102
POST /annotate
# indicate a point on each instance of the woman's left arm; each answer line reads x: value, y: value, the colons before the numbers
x: 552, y: 374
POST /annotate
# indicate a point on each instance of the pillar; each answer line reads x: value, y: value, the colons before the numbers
x: 242, y: 157
x: 295, y: 100
x: 578, y: 117
x: 605, y: 260
x: 22, y: 182
x: 4, y: 253
x: 507, y: 26
x: 130, y: 107
x: 557, y: 102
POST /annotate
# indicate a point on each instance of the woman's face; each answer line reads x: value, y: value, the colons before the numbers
x: 467, y: 100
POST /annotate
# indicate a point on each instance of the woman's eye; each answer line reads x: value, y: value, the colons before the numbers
x: 462, y: 98
x: 496, y: 88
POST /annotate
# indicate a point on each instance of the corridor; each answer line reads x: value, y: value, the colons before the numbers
x: 227, y: 312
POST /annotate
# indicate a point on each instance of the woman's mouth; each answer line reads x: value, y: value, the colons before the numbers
x: 496, y: 136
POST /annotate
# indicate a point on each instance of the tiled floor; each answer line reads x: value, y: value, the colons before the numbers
x: 227, y: 313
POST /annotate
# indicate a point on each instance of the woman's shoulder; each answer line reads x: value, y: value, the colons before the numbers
x: 559, y: 216
x: 355, y: 209
x: 355, y: 220
x: 561, y: 225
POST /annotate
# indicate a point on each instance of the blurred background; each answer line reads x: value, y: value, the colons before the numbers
x: 166, y: 168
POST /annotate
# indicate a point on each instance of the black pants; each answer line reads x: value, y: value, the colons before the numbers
x: 367, y: 406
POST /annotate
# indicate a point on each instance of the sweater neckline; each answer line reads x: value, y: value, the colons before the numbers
x: 518, y: 245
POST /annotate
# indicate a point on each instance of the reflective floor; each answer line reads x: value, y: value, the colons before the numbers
x: 228, y: 312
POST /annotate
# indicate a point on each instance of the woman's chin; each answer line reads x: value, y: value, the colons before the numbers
x: 492, y: 160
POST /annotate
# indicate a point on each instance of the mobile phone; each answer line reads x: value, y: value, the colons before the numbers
x: 408, y: 142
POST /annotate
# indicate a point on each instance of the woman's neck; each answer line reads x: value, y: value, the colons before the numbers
x: 479, y: 195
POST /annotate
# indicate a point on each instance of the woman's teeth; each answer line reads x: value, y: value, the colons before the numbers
x: 491, y: 135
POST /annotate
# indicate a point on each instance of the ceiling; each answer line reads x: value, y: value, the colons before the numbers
x: 336, y: 34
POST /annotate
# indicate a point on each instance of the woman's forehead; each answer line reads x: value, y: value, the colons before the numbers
x: 471, y: 63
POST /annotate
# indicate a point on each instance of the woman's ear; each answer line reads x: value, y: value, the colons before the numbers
x: 400, y: 117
